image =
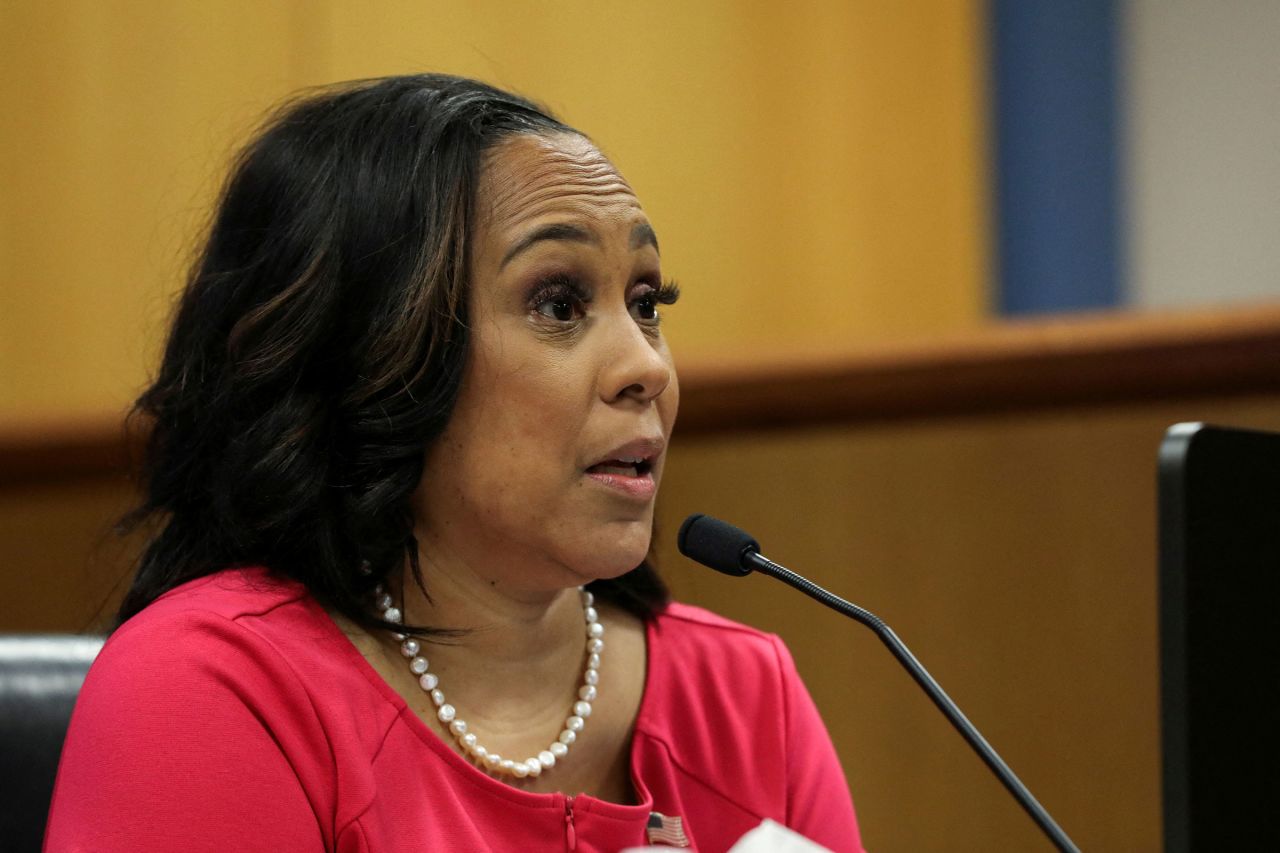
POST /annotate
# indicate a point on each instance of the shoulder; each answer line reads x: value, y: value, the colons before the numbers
x: 228, y: 595
x: 699, y: 620
x: 715, y: 712
x: 729, y: 677
x: 225, y: 614
x: 725, y: 701
x: 241, y: 640
x: 216, y: 631
x: 684, y: 635
x: 223, y: 678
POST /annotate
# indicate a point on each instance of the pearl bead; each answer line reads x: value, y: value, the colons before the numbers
x: 411, y: 648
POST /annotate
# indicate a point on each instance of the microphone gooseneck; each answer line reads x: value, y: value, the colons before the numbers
x: 728, y: 549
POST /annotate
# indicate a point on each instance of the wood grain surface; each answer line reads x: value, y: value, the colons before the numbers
x: 992, y: 497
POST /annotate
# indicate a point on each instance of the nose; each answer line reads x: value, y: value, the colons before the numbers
x: 637, y: 367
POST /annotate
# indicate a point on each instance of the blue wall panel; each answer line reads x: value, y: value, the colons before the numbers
x: 1057, y: 188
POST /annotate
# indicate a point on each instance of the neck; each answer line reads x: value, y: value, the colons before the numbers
x: 502, y: 624
x: 524, y: 669
x: 519, y: 649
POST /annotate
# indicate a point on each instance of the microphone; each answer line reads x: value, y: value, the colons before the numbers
x: 725, y: 548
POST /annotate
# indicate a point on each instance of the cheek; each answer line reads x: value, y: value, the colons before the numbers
x: 516, y: 431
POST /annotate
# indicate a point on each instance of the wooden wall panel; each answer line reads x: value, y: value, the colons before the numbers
x: 119, y: 120
x: 993, y: 498
x: 1015, y: 555
x: 60, y: 563
x: 816, y: 171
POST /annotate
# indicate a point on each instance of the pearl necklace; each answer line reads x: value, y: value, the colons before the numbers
x: 448, y: 715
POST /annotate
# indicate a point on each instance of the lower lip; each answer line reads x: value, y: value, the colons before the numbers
x: 640, y: 488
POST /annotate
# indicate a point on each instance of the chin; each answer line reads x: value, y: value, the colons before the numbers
x: 620, y: 552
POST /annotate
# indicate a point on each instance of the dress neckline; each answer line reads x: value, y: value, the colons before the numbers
x: 468, y: 772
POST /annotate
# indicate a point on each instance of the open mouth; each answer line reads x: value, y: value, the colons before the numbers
x: 622, y: 467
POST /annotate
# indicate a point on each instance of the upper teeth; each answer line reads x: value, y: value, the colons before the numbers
x: 631, y: 460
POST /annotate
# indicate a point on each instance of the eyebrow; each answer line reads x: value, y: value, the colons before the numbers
x: 641, y: 235
x: 554, y: 231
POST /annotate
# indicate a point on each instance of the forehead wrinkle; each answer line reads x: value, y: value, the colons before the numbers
x: 560, y: 192
x: 553, y: 175
x: 515, y: 200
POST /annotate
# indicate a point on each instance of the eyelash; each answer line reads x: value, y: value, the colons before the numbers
x: 568, y: 289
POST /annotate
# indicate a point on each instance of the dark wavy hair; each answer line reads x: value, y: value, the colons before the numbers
x: 319, y: 344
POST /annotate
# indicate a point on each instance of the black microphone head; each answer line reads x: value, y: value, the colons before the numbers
x: 716, y: 544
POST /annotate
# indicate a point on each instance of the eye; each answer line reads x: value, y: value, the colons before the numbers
x: 560, y: 299
x: 644, y: 305
x: 563, y: 309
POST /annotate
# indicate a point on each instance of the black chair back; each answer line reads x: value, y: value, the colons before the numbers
x: 40, y: 675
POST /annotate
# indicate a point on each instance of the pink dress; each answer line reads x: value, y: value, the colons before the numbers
x: 233, y: 714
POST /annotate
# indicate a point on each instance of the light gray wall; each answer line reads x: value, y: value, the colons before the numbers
x: 1201, y: 79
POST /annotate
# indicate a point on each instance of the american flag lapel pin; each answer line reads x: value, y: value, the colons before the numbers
x: 666, y: 830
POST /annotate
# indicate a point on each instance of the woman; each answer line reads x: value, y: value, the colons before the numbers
x: 407, y: 434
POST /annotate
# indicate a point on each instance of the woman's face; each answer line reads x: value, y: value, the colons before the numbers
x: 546, y: 474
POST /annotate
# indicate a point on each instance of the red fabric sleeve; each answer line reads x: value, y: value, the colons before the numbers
x: 819, y: 805
x: 187, y: 736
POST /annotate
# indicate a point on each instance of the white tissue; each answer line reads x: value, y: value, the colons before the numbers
x: 768, y: 837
